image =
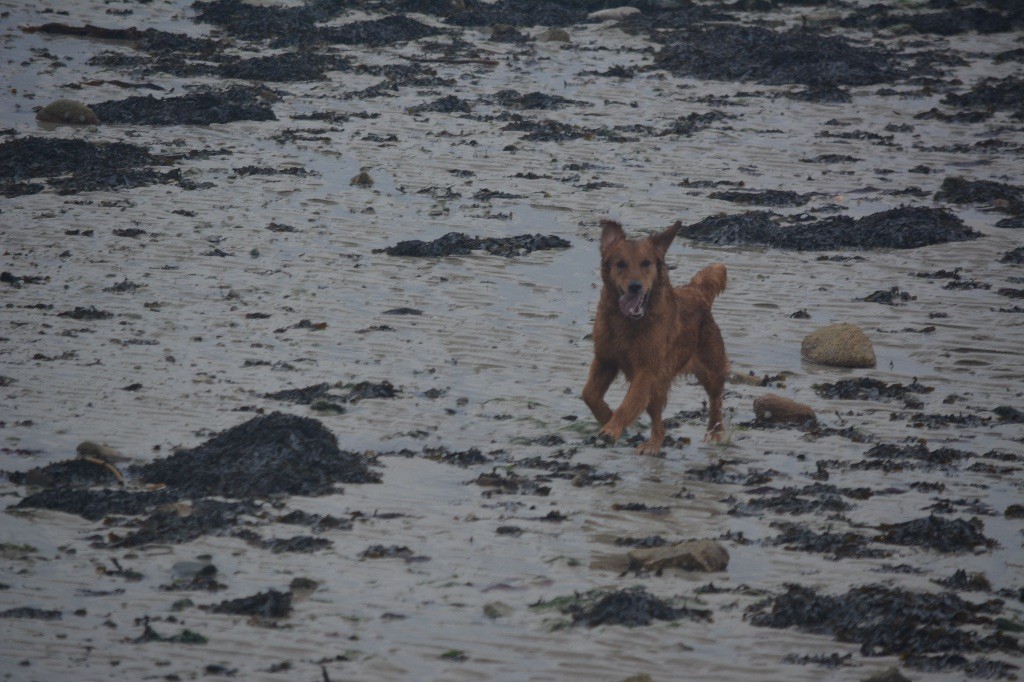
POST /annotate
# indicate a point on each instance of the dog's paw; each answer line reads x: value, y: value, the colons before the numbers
x: 713, y: 436
x: 609, y: 434
x: 648, y: 448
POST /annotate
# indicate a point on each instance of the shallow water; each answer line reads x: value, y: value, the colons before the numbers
x: 505, y: 340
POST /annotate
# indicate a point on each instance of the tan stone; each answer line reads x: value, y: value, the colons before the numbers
x: 839, y: 345
x: 104, y: 453
x: 67, y: 111
x: 613, y: 14
x: 554, y: 35
x: 779, y: 410
x: 692, y: 555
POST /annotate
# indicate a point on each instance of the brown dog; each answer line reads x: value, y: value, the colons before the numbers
x: 652, y: 332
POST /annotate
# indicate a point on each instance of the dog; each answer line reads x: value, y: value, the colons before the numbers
x: 652, y: 333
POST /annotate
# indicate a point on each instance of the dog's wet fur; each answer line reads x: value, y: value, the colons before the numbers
x: 652, y: 333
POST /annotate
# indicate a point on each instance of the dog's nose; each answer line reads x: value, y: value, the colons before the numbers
x: 636, y: 287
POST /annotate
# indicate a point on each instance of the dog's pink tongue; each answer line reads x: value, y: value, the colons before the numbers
x: 630, y: 304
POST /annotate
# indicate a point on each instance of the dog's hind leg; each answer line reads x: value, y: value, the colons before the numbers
x: 601, y: 376
x: 711, y: 367
x: 715, y: 388
x: 659, y: 398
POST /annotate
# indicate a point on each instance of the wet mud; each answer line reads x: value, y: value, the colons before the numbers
x: 761, y: 55
x: 199, y: 279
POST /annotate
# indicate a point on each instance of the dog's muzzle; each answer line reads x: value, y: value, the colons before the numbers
x: 634, y: 304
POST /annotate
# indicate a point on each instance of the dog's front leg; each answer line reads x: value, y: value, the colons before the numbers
x: 637, y: 398
x: 601, y: 376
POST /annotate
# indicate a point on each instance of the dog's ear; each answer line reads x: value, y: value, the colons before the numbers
x: 663, y: 240
x: 611, y: 232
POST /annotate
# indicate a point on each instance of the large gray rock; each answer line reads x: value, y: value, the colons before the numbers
x: 839, y: 345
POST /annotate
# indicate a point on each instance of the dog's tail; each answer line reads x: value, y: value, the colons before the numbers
x: 710, y: 281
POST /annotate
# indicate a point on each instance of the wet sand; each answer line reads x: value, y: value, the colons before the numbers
x: 497, y: 355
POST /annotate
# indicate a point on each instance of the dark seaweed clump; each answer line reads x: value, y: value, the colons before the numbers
x: 993, y: 93
x: 460, y: 244
x: 815, y: 498
x: 461, y: 458
x: 237, y: 103
x: 267, y: 455
x: 74, y: 165
x: 631, y: 607
x: 311, y: 394
x: 283, y: 26
x: 265, y: 22
x: 513, y: 99
x: 299, y: 544
x: 893, y: 457
x: 1009, y: 198
x: 907, y: 227
x: 377, y: 32
x: 97, y: 504
x: 962, y: 580
x: 765, y: 197
x: 1015, y: 256
x: 71, y: 472
x: 717, y: 473
x: 866, y: 388
x: 752, y: 53
x: 31, y: 612
x: 285, y: 67
x: 938, y: 533
x: 550, y: 130
x: 946, y: 23
x: 887, y: 621
x: 795, y: 536
x: 176, y: 525
x: 269, y: 604
x: 519, y: 13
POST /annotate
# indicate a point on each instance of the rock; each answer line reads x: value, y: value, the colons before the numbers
x: 776, y: 409
x: 613, y: 14
x: 554, y: 35
x: 497, y: 609
x: 748, y: 379
x: 67, y: 111
x: 839, y: 345
x: 506, y: 33
x: 362, y: 179
x: 639, y: 677
x: 104, y: 453
x: 692, y: 555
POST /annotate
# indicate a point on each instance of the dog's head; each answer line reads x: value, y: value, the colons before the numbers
x: 633, y: 268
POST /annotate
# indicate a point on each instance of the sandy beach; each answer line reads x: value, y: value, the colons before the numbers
x: 217, y: 251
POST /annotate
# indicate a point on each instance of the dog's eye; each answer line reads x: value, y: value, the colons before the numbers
x: 621, y: 265
x: 646, y: 263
